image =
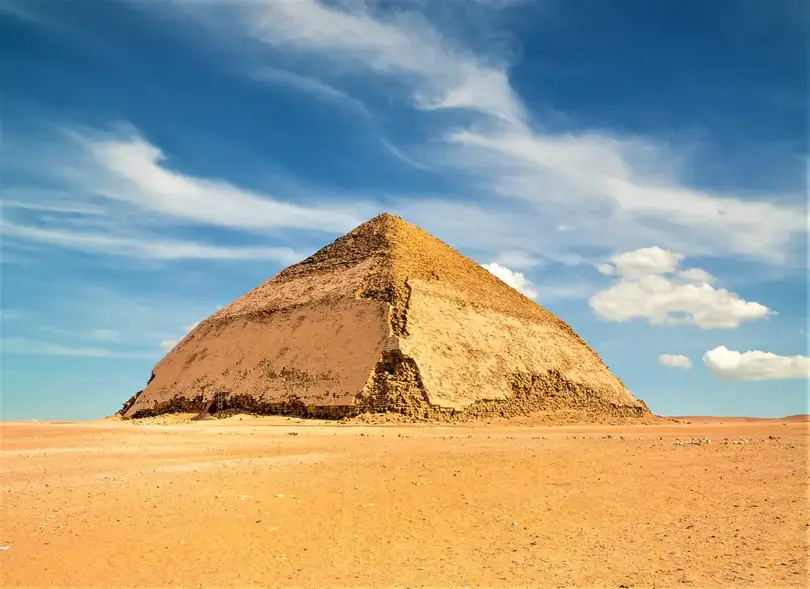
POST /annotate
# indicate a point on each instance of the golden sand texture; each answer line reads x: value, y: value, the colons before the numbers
x: 243, y: 503
x: 386, y: 318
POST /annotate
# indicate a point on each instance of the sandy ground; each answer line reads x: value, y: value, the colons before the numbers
x: 285, y: 503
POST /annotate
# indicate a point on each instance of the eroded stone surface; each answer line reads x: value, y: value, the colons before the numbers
x: 386, y: 318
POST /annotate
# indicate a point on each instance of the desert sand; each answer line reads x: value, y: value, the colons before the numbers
x: 283, y: 502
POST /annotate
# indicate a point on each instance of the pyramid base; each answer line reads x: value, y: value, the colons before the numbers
x: 395, y: 387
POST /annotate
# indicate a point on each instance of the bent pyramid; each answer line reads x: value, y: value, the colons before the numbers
x: 386, y: 318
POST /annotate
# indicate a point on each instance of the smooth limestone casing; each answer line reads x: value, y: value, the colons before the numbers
x: 466, y: 353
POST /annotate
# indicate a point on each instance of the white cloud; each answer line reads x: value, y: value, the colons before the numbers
x: 696, y: 275
x: 628, y: 191
x: 551, y: 292
x: 755, y: 365
x: 24, y: 346
x: 167, y: 344
x: 113, y: 194
x: 145, y: 248
x: 402, y: 156
x: 645, y: 261
x: 403, y: 44
x: 55, y: 207
x: 516, y: 280
x: 497, y: 230
x: 674, y: 361
x: 673, y: 299
x: 517, y: 259
x: 606, y: 269
x: 311, y: 86
x: 132, y: 170
x: 607, y: 191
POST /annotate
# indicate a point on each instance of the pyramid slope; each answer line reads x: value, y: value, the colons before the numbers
x: 390, y: 318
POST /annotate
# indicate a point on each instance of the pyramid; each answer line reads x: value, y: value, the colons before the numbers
x: 385, y: 319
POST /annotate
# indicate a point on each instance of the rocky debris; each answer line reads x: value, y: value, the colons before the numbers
x: 693, y: 442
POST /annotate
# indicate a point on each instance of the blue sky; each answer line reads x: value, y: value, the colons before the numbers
x: 638, y: 167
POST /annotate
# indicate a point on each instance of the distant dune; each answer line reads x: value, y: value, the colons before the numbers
x: 801, y: 418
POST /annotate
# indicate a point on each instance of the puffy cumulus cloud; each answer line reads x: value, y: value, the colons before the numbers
x: 674, y: 361
x: 516, y: 280
x: 696, y: 275
x: 755, y: 365
x: 606, y: 269
x: 641, y: 262
x: 648, y: 287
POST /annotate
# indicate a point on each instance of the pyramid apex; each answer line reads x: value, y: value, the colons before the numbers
x: 388, y: 219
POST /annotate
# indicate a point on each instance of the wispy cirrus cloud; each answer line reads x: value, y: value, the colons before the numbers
x: 312, y: 86
x: 401, y: 44
x: 626, y: 191
x: 132, y: 170
x: 566, y: 197
x: 609, y: 191
x: 50, y: 207
x: 155, y: 249
x: 29, y: 347
x: 97, y: 321
x: 118, y: 196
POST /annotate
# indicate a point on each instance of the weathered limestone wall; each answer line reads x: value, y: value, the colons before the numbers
x: 320, y: 356
x: 386, y: 318
x: 466, y: 353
